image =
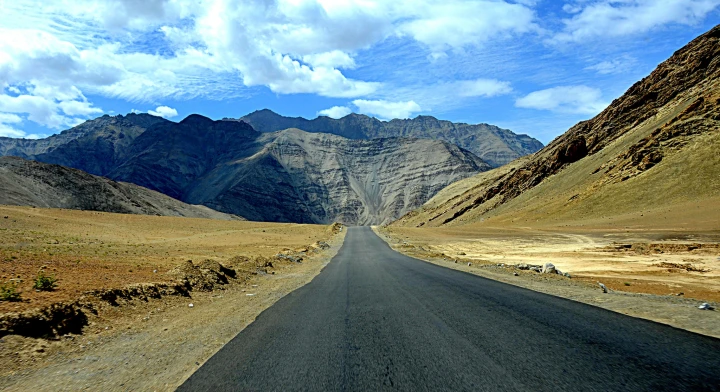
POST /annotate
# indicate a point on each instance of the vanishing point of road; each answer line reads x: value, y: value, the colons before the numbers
x: 376, y: 320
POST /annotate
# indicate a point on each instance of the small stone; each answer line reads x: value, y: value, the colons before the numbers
x: 603, y: 288
x: 154, y: 271
x: 469, y: 264
x: 516, y: 274
x: 190, y: 305
x: 705, y: 306
x: 679, y: 294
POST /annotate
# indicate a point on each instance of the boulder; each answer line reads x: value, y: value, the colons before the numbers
x: 549, y: 268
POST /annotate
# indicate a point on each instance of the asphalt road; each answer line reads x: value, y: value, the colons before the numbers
x: 377, y: 320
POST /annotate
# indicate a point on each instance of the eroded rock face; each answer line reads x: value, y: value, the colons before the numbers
x: 494, y: 145
x: 308, y: 177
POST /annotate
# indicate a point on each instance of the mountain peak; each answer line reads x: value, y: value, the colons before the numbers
x: 196, y: 120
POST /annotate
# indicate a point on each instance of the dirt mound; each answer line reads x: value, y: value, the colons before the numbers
x: 673, y: 267
x: 54, y: 320
x: 646, y: 248
x: 204, y: 276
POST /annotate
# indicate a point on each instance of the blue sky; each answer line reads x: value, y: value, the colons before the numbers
x: 533, y: 66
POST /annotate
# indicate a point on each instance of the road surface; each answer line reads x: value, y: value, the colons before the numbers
x: 375, y: 320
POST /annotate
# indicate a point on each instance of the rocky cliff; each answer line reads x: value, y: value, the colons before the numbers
x: 25, y: 182
x: 494, y: 145
x: 657, y: 144
x: 310, y: 177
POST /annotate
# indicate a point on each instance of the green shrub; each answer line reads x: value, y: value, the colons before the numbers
x: 8, y: 292
x: 44, y: 282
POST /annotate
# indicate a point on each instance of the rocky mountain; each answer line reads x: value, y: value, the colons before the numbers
x: 95, y: 146
x: 311, y: 177
x: 38, y: 184
x: 655, y: 149
x: 287, y: 176
x: 494, y: 145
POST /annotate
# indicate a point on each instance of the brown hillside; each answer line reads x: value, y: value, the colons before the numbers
x: 654, y: 148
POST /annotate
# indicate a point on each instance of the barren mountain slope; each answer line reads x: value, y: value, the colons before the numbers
x: 290, y: 176
x: 94, y: 146
x: 300, y: 176
x: 492, y: 144
x: 38, y: 184
x: 654, y: 148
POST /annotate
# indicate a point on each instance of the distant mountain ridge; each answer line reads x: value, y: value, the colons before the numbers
x: 45, y: 185
x: 287, y: 176
x: 492, y: 144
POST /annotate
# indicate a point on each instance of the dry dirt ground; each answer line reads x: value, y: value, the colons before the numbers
x: 88, y: 250
x: 144, y: 343
x: 658, y: 275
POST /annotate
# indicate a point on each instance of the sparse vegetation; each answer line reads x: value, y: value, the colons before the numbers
x: 45, y: 282
x: 8, y: 292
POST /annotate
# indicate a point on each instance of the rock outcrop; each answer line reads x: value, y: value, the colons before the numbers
x: 492, y: 144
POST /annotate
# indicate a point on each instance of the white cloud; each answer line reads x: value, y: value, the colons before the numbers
x: 615, y: 66
x: 335, y: 112
x: 614, y: 18
x: 296, y: 46
x: 387, y: 110
x: 333, y: 59
x: 7, y: 120
x: 453, y: 24
x: 164, y: 112
x: 565, y: 99
x: 482, y: 88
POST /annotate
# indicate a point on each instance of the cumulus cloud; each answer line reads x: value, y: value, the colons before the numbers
x: 387, y: 110
x: 164, y: 112
x: 8, y: 121
x: 450, y: 24
x: 332, y: 59
x: 335, y: 112
x: 612, y: 18
x: 565, y: 99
